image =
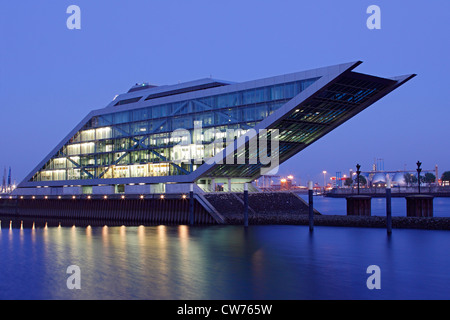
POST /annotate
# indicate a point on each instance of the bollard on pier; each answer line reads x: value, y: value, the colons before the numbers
x: 245, y: 205
x: 311, y: 205
x: 388, y: 205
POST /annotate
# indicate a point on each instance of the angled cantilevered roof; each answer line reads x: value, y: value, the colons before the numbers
x: 332, y: 96
x: 312, y: 114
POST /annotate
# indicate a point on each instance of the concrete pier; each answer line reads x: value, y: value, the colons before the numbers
x: 311, y: 206
x: 359, y: 205
x: 419, y: 206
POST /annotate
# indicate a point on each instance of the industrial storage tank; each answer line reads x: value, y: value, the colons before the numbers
x: 379, y: 178
x: 399, y: 179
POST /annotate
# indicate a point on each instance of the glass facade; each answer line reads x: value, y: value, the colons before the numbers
x: 141, y: 142
x: 314, y: 118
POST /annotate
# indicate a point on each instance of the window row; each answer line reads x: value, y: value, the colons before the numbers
x: 137, y: 125
x: 284, y: 91
x: 130, y: 171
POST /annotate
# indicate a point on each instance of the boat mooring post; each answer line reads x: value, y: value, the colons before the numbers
x: 245, y: 204
x: 191, y: 204
x: 310, y: 205
x: 388, y: 205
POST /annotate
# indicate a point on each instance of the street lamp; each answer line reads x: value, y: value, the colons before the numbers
x: 418, y: 172
x: 358, y: 172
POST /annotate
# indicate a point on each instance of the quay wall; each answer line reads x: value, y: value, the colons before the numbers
x: 153, y: 210
x: 212, y: 208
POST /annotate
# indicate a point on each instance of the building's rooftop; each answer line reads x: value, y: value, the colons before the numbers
x: 150, y: 91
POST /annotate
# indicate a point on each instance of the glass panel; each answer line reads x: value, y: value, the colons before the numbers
x: 235, y: 99
x: 277, y: 92
x: 289, y: 90
x: 59, y: 163
x: 141, y: 114
x: 222, y: 101
x: 138, y: 128
x: 248, y: 97
x: 103, y: 133
x: 105, y: 120
x: 88, y: 135
x: 260, y: 95
x: 122, y: 117
x: 261, y: 112
x: 207, y: 119
x: 73, y: 174
x: 248, y: 114
x: 88, y: 147
x: 73, y: 149
x: 122, y: 130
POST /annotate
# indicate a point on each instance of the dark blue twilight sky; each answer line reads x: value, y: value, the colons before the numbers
x: 51, y: 77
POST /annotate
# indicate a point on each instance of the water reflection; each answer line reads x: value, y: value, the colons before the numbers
x: 218, y: 262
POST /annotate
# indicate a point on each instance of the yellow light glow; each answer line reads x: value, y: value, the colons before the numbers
x: 283, y: 180
x: 162, y: 196
x: 290, y: 177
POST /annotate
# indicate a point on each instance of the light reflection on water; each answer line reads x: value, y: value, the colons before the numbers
x: 222, y: 262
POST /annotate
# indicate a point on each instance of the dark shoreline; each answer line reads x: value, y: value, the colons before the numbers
x: 427, y: 223
x: 431, y: 223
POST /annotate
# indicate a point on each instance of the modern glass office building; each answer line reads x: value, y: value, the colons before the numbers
x: 164, y: 138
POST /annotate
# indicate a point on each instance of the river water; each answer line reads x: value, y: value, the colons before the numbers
x: 223, y: 262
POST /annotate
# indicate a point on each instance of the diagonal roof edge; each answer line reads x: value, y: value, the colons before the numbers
x: 326, y: 74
